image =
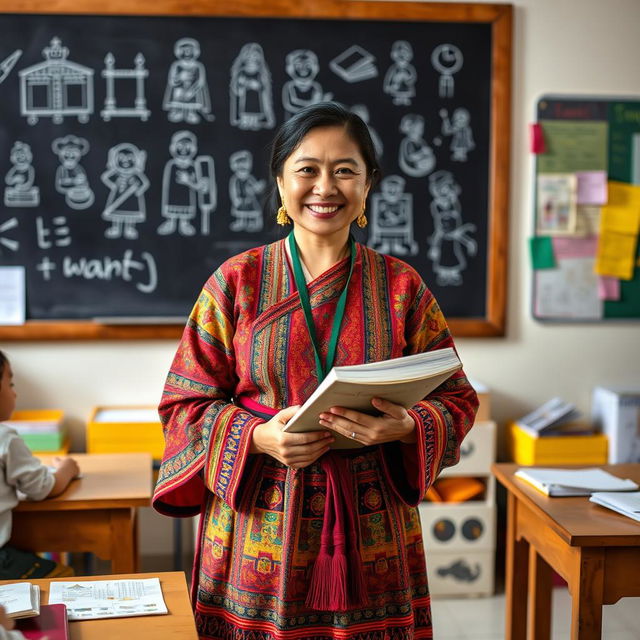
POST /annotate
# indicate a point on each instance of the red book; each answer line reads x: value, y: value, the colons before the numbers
x: 50, y: 624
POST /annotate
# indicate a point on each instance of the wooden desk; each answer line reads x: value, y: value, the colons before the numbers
x: 96, y: 513
x: 179, y: 623
x: 596, y: 550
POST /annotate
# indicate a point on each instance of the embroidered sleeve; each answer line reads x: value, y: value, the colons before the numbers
x: 207, y: 437
x: 442, y: 420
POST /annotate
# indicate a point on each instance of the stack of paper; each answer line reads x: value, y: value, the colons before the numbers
x: 573, y: 482
x: 555, y: 417
x: 20, y: 599
x: 627, y: 504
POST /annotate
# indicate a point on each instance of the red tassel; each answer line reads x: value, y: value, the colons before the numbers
x: 338, y: 581
x: 319, y: 594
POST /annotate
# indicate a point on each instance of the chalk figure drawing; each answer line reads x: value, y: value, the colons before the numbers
x: 392, y: 219
x: 244, y: 190
x: 460, y: 131
x: 400, y: 79
x: 138, y: 75
x: 20, y: 190
x: 127, y: 183
x: 71, y: 178
x: 6, y: 66
x: 56, y: 88
x: 447, y: 60
x: 188, y: 186
x: 250, y: 90
x: 451, y: 239
x: 186, y: 97
x: 303, y: 89
x: 415, y: 156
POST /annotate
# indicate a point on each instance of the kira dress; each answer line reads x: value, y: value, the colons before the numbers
x: 246, y: 352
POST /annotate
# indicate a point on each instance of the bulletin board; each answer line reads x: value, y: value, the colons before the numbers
x: 136, y: 141
x: 585, y: 250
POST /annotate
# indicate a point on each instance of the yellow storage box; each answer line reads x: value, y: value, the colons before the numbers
x: 41, y: 429
x: 580, y: 449
x: 125, y: 429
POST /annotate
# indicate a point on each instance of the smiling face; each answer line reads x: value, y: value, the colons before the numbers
x: 324, y: 184
x: 7, y: 393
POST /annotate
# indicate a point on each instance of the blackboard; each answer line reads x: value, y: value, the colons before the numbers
x: 135, y: 150
x: 587, y: 138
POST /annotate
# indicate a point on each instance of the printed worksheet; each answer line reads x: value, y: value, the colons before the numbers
x: 109, y: 598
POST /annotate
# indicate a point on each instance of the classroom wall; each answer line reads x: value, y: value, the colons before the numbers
x: 560, y: 46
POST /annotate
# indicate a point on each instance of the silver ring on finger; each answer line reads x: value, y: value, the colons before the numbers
x: 353, y: 435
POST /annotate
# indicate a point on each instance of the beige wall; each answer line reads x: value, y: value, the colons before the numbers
x: 560, y: 46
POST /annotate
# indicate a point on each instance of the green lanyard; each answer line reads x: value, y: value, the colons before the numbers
x: 301, y: 284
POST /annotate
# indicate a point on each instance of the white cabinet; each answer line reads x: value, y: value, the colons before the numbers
x: 460, y: 537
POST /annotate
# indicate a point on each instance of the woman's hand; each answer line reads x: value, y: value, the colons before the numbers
x: 395, y: 423
x: 296, y: 450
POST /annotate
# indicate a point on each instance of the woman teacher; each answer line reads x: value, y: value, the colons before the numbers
x: 297, y: 540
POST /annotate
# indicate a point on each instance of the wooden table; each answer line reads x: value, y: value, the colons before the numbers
x: 596, y: 550
x: 178, y: 624
x: 96, y: 513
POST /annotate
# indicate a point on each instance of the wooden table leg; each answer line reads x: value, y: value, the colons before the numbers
x: 539, y: 597
x: 516, y: 576
x: 587, y: 590
x: 123, y: 546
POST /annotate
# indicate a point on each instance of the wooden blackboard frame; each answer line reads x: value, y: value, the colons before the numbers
x: 499, y: 16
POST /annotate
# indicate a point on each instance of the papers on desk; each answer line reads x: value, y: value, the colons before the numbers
x: 573, y: 482
x: 627, y: 504
x: 88, y: 600
x: 20, y: 599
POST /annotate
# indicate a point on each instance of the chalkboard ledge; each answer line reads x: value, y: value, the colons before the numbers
x: 123, y: 329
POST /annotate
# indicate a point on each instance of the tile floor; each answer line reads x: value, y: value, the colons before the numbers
x: 483, y: 618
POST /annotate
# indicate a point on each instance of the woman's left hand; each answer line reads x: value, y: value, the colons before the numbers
x: 395, y: 423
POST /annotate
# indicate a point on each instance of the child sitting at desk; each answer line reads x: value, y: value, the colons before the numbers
x: 21, y: 471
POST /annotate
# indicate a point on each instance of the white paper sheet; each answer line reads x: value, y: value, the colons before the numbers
x: 12, y: 295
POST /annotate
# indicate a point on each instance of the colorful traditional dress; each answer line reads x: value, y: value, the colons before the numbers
x: 245, y: 351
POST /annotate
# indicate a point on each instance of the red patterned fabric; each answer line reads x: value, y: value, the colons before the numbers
x: 246, y: 344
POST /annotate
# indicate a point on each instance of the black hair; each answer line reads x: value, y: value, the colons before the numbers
x: 323, y: 114
x: 3, y: 361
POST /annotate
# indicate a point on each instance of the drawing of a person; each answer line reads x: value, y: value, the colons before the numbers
x: 180, y: 186
x: 460, y: 131
x: 71, y: 178
x: 400, y: 79
x: 416, y: 157
x: 243, y: 191
x: 303, y: 89
x: 451, y: 236
x: 392, y: 219
x: 20, y: 191
x: 187, y: 94
x: 127, y: 182
x: 250, y: 90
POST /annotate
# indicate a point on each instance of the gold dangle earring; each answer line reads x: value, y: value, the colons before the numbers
x: 282, y: 218
x: 361, y: 220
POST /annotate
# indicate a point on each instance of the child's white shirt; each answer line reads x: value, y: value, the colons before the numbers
x: 20, y: 471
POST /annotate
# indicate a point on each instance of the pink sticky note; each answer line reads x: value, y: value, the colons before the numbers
x: 578, y: 247
x: 608, y: 288
x: 536, y: 138
x: 592, y: 187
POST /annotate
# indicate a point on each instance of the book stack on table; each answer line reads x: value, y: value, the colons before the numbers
x: 42, y: 430
x: 555, y: 434
x: 35, y: 621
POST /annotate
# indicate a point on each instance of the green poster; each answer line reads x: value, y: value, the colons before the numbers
x: 624, y: 121
x: 573, y: 145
